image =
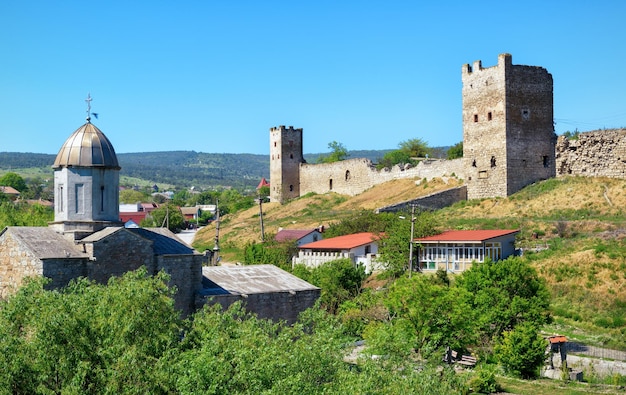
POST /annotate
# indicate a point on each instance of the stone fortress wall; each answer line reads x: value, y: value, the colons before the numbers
x: 508, y: 141
x: 599, y: 153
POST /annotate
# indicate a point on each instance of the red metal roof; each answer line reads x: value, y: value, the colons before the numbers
x: 263, y: 183
x: 292, y: 234
x: 342, y: 242
x: 136, y: 217
x: 557, y: 339
x: 466, y: 235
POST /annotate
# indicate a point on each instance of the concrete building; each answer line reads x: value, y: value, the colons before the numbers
x: 360, y: 248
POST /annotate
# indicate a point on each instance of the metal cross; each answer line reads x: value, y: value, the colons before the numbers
x: 88, y: 100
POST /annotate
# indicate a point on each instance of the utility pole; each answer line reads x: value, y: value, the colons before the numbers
x: 216, y: 248
x: 411, y: 241
x: 261, y: 218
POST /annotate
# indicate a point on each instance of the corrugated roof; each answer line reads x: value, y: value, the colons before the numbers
x: 466, y: 235
x: 87, y: 147
x: 342, y: 242
x: 250, y: 279
x: 45, y: 243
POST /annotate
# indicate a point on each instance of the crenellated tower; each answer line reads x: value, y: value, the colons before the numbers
x: 508, y: 129
x: 285, y: 159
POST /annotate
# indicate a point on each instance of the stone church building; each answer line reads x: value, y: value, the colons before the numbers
x: 88, y: 240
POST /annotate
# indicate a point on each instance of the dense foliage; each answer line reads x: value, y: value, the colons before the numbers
x: 127, y: 338
x: 408, y: 152
x: 23, y: 214
x: 337, y: 152
x: 456, y: 151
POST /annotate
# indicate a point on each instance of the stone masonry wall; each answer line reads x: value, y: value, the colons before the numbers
x: 15, y: 265
x: 600, y: 153
x: 434, y: 201
x: 353, y: 176
x: 185, y: 273
x: 279, y: 306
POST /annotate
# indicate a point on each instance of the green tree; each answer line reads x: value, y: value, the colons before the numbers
x: 393, y: 158
x: 521, y: 351
x: 416, y: 148
x: 430, y: 315
x: 130, y: 196
x: 13, y: 180
x: 504, y: 294
x: 456, y: 151
x: 338, y: 152
x: 157, y: 218
x: 271, y: 252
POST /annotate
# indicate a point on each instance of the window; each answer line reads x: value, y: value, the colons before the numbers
x: 493, y: 161
x: 60, y: 207
x: 474, y: 163
x: 347, y: 175
x: 482, y: 174
x: 546, y: 161
x: 290, y: 188
x: 525, y: 114
x: 290, y: 156
x: 79, y: 198
x: 330, y: 184
x: 489, y: 116
x: 475, y: 117
x: 101, y: 198
x: 274, y: 143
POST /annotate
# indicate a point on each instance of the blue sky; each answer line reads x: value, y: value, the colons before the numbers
x: 215, y: 76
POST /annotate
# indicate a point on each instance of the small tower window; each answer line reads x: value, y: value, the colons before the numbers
x: 474, y: 163
x: 101, y: 198
x: 493, y: 161
x: 475, y: 117
x: 274, y: 143
x: 546, y: 161
x: 489, y: 117
x: 290, y: 188
x: 525, y: 114
x: 330, y: 184
x: 347, y: 175
x: 290, y: 156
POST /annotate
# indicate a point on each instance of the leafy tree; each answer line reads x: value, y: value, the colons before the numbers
x: 362, y: 221
x: 271, y: 252
x: 393, y: 158
x: 456, y: 151
x: 521, y: 351
x: 23, y: 214
x: 264, y: 191
x: 131, y: 196
x: 504, y: 294
x: 338, y: 153
x: 13, y: 180
x: 430, y: 315
x: 340, y: 280
x: 157, y: 218
x: 416, y: 148
x: 87, y: 338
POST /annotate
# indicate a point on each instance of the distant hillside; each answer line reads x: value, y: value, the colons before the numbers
x: 178, y: 168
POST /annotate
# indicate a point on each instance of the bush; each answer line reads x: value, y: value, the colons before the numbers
x: 521, y: 351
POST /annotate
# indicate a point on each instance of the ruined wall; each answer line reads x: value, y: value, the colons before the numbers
x: 278, y: 306
x: 599, y: 153
x: 353, y: 176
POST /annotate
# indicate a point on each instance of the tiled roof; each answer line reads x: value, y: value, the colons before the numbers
x: 263, y: 183
x: 466, y: 235
x: 342, y: 242
x: 292, y: 234
x: 9, y: 190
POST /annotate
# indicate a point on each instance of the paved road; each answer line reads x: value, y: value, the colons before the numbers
x: 187, y: 236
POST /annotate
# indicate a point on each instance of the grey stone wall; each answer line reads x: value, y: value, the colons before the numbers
x: 508, y: 134
x: 278, y: 306
x: 434, y: 201
x: 600, y: 153
x: 285, y: 159
x: 186, y: 275
x: 16, y: 263
x: 353, y: 176
x: 119, y: 253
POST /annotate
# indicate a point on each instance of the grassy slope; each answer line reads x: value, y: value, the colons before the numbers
x: 580, y: 219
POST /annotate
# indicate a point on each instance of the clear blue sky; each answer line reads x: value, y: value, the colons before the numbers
x: 215, y: 76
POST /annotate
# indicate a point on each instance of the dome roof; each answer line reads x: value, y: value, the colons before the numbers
x: 87, y: 147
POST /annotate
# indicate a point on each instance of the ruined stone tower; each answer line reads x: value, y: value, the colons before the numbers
x: 285, y: 158
x: 508, y: 129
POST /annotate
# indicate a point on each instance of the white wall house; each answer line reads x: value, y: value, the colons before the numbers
x: 360, y: 248
x: 301, y: 236
x: 456, y: 250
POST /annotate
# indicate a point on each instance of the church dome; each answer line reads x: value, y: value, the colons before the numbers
x: 87, y: 147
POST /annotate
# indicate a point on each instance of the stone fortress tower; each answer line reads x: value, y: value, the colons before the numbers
x: 508, y: 129
x: 86, y: 179
x: 285, y: 159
